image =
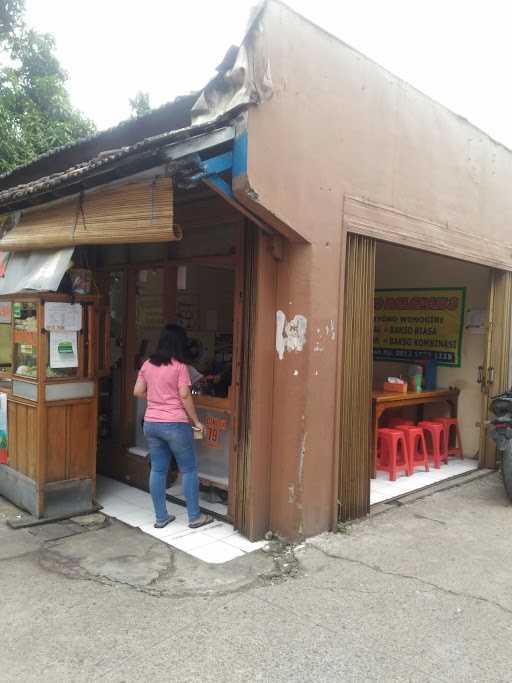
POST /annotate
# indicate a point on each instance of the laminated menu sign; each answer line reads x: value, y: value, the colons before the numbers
x: 149, y: 312
x: 419, y: 324
x: 63, y: 350
x: 62, y: 316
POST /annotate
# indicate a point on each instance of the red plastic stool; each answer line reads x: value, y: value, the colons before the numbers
x: 392, y: 455
x: 452, y: 435
x: 437, y: 438
x: 416, y: 447
x: 397, y: 422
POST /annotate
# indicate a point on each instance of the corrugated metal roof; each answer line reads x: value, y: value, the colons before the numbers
x: 149, y: 147
x: 138, y: 139
x: 171, y: 116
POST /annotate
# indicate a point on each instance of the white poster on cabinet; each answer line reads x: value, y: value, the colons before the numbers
x: 63, y: 350
x: 62, y: 316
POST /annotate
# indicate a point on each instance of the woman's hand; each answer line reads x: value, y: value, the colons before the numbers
x: 190, y: 409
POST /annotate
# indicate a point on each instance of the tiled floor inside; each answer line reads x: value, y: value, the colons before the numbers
x: 215, y: 543
x: 381, y: 489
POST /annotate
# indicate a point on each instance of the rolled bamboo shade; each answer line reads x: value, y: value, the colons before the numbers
x: 124, y: 214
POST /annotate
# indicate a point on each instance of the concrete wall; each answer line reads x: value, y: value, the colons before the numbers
x: 398, y: 267
x: 337, y: 125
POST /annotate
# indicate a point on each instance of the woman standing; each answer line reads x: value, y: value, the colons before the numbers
x: 165, y: 382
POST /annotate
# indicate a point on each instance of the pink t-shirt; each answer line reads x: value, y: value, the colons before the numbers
x: 163, y: 383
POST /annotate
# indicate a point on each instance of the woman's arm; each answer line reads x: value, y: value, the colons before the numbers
x: 140, y: 389
x: 188, y: 404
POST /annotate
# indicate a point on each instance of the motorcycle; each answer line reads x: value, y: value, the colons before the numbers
x: 501, y: 407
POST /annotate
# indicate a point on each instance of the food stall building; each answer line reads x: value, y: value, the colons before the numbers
x: 318, y: 226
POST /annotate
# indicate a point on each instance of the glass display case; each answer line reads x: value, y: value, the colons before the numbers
x: 25, y: 337
x: 49, y: 350
x: 51, y: 338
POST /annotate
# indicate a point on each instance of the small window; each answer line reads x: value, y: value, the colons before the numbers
x: 25, y: 338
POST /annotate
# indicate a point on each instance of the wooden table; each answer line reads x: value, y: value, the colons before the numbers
x: 383, y: 401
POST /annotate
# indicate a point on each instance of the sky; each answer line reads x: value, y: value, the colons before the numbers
x: 456, y: 51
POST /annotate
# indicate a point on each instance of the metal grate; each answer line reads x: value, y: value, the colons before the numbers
x: 496, y: 371
x: 356, y: 377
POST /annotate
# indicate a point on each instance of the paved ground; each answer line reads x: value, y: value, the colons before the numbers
x: 419, y: 593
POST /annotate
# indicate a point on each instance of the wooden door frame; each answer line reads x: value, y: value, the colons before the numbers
x: 236, y: 370
x: 128, y: 374
x: 255, y: 407
x: 499, y: 347
x: 256, y: 262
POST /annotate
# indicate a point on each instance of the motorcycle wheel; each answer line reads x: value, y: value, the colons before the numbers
x: 506, y: 470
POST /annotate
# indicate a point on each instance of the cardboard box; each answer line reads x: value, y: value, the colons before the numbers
x: 395, y: 388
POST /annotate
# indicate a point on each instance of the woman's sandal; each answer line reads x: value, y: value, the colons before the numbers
x: 202, y: 521
x: 160, y: 525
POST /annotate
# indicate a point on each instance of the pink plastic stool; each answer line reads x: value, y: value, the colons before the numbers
x: 452, y: 435
x: 392, y: 455
x: 416, y: 447
x: 437, y: 440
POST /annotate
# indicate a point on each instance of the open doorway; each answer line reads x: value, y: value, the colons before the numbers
x: 458, y: 358
x: 429, y: 348
x: 198, y: 284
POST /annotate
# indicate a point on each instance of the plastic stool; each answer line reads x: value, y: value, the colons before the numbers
x: 452, y: 434
x: 397, y: 422
x: 392, y: 455
x: 437, y: 437
x: 416, y: 447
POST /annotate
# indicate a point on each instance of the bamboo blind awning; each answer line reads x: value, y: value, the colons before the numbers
x: 124, y: 214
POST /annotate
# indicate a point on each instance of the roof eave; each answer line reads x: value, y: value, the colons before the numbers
x: 173, y: 153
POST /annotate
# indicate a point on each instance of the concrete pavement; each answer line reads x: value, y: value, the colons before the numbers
x: 419, y: 593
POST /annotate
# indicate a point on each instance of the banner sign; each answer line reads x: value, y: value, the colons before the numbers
x: 419, y: 324
x: 213, y: 450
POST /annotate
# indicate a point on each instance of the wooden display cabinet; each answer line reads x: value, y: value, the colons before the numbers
x: 51, y: 409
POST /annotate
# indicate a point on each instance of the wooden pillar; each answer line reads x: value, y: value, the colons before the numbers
x: 256, y: 406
